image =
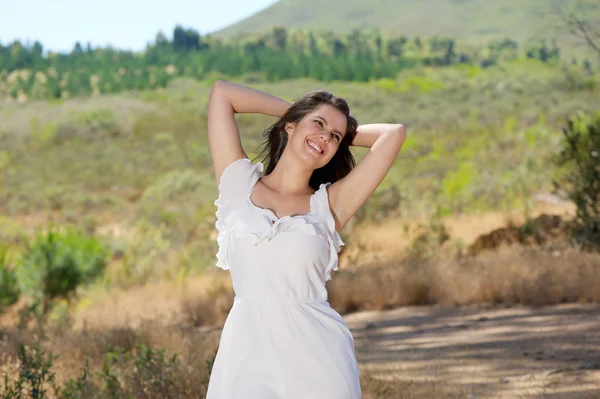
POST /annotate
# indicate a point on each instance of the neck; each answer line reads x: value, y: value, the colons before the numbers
x: 290, y: 177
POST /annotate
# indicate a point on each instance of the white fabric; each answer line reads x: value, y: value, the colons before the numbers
x: 281, y: 339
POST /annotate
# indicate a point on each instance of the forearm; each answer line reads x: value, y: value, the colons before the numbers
x: 367, y: 135
x: 245, y: 100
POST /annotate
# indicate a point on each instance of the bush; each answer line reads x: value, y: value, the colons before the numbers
x: 87, y: 126
x: 145, y: 373
x: 9, y: 291
x: 34, y: 375
x: 580, y: 158
x: 383, y: 204
x: 56, y: 263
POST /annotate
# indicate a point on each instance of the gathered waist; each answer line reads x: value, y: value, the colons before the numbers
x: 265, y: 298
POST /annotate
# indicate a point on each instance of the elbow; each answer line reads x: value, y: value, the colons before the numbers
x: 219, y: 92
x: 397, y: 136
x: 217, y: 86
x: 400, y: 129
x: 400, y: 132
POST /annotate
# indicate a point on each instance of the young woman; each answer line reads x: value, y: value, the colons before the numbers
x: 279, y: 238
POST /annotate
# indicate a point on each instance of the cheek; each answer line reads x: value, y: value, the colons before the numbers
x: 311, y: 128
x: 333, y: 148
x: 304, y: 131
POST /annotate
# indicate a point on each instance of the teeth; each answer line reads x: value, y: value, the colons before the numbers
x: 316, y: 147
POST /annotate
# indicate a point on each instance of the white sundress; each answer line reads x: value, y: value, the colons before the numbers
x: 281, y: 339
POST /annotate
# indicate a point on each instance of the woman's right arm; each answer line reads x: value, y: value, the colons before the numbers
x: 227, y: 99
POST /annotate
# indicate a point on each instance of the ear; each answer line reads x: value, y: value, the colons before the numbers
x: 289, y: 128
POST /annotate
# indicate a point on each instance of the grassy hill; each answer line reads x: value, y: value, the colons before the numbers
x: 474, y: 21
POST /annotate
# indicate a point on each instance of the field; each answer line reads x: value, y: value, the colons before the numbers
x: 467, y: 233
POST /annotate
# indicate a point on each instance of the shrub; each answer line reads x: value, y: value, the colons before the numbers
x: 9, y: 291
x: 146, y: 373
x: 87, y: 126
x: 580, y: 158
x: 383, y: 204
x: 56, y: 263
x: 34, y: 375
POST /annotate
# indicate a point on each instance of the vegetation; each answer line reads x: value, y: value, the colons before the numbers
x: 580, y: 155
x: 467, y: 20
x: 56, y: 263
x: 277, y: 55
x: 125, y: 171
x: 142, y: 372
x: 9, y: 291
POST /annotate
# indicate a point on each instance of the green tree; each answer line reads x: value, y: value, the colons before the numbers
x: 580, y: 159
x: 55, y: 263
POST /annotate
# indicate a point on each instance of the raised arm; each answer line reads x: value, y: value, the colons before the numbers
x: 227, y: 99
x: 350, y: 193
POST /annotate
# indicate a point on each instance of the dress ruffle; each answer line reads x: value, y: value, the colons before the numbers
x: 235, y: 187
x: 334, y: 238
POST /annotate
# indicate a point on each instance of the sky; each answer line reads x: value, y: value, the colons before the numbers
x: 123, y: 24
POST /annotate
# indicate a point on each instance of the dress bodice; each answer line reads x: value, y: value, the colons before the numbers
x: 289, y: 257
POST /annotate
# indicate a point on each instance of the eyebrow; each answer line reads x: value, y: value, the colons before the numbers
x: 325, y: 120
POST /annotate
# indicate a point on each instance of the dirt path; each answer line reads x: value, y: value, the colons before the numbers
x: 520, y: 352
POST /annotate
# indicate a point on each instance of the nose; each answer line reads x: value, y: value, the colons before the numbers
x: 325, y: 135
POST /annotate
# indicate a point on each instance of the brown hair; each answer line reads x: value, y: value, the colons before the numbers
x: 342, y: 161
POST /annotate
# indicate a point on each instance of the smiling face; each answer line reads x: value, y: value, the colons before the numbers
x: 316, y: 137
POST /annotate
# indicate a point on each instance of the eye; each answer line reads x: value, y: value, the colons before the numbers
x: 338, y: 137
x: 319, y: 122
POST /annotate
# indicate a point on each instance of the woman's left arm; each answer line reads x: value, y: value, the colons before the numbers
x: 347, y: 195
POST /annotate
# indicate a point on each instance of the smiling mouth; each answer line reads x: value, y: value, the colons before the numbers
x: 314, y: 146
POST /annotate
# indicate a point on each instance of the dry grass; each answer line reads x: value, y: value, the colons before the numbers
x: 208, y: 309
x: 188, y: 378
x: 177, y: 315
x: 509, y: 275
x: 375, y: 243
x: 380, y: 388
x: 195, y: 350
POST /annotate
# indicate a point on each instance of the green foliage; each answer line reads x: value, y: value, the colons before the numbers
x: 386, y: 84
x: 4, y: 159
x: 515, y: 19
x: 490, y: 120
x: 144, y: 373
x: 9, y: 290
x: 98, y: 120
x: 56, y: 263
x: 456, y: 182
x: 80, y: 387
x: 477, y: 143
x: 34, y: 375
x: 89, y: 125
x: 269, y: 56
x: 382, y: 204
x: 580, y: 158
x: 153, y: 371
x: 176, y: 198
x: 11, y: 231
x: 146, y: 249
x: 420, y: 84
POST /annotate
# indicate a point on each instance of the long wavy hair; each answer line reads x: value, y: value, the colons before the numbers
x: 276, y: 137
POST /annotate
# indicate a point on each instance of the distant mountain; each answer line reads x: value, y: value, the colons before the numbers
x: 472, y: 21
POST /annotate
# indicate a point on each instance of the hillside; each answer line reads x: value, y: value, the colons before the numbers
x: 473, y: 21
